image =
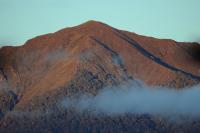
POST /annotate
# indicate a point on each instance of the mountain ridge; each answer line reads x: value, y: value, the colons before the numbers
x: 87, y: 58
x: 87, y: 31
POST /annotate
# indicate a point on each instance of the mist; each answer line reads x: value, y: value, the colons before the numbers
x: 131, y: 97
x: 138, y: 98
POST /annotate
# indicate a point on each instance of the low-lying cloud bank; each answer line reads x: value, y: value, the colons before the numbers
x: 139, y: 99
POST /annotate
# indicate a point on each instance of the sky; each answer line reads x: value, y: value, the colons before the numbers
x: 21, y: 20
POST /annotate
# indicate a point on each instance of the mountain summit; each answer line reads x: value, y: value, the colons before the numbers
x: 87, y: 58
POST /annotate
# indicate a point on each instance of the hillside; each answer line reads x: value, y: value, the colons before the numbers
x: 86, y: 59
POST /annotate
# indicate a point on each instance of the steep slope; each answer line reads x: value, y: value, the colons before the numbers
x: 51, y: 61
x: 87, y: 58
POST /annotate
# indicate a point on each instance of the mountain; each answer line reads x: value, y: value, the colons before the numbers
x: 86, y: 59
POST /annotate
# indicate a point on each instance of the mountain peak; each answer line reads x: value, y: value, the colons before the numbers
x: 84, y: 60
x: 91, y: 24
x: 89, y: 27
x: 95, y: 47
